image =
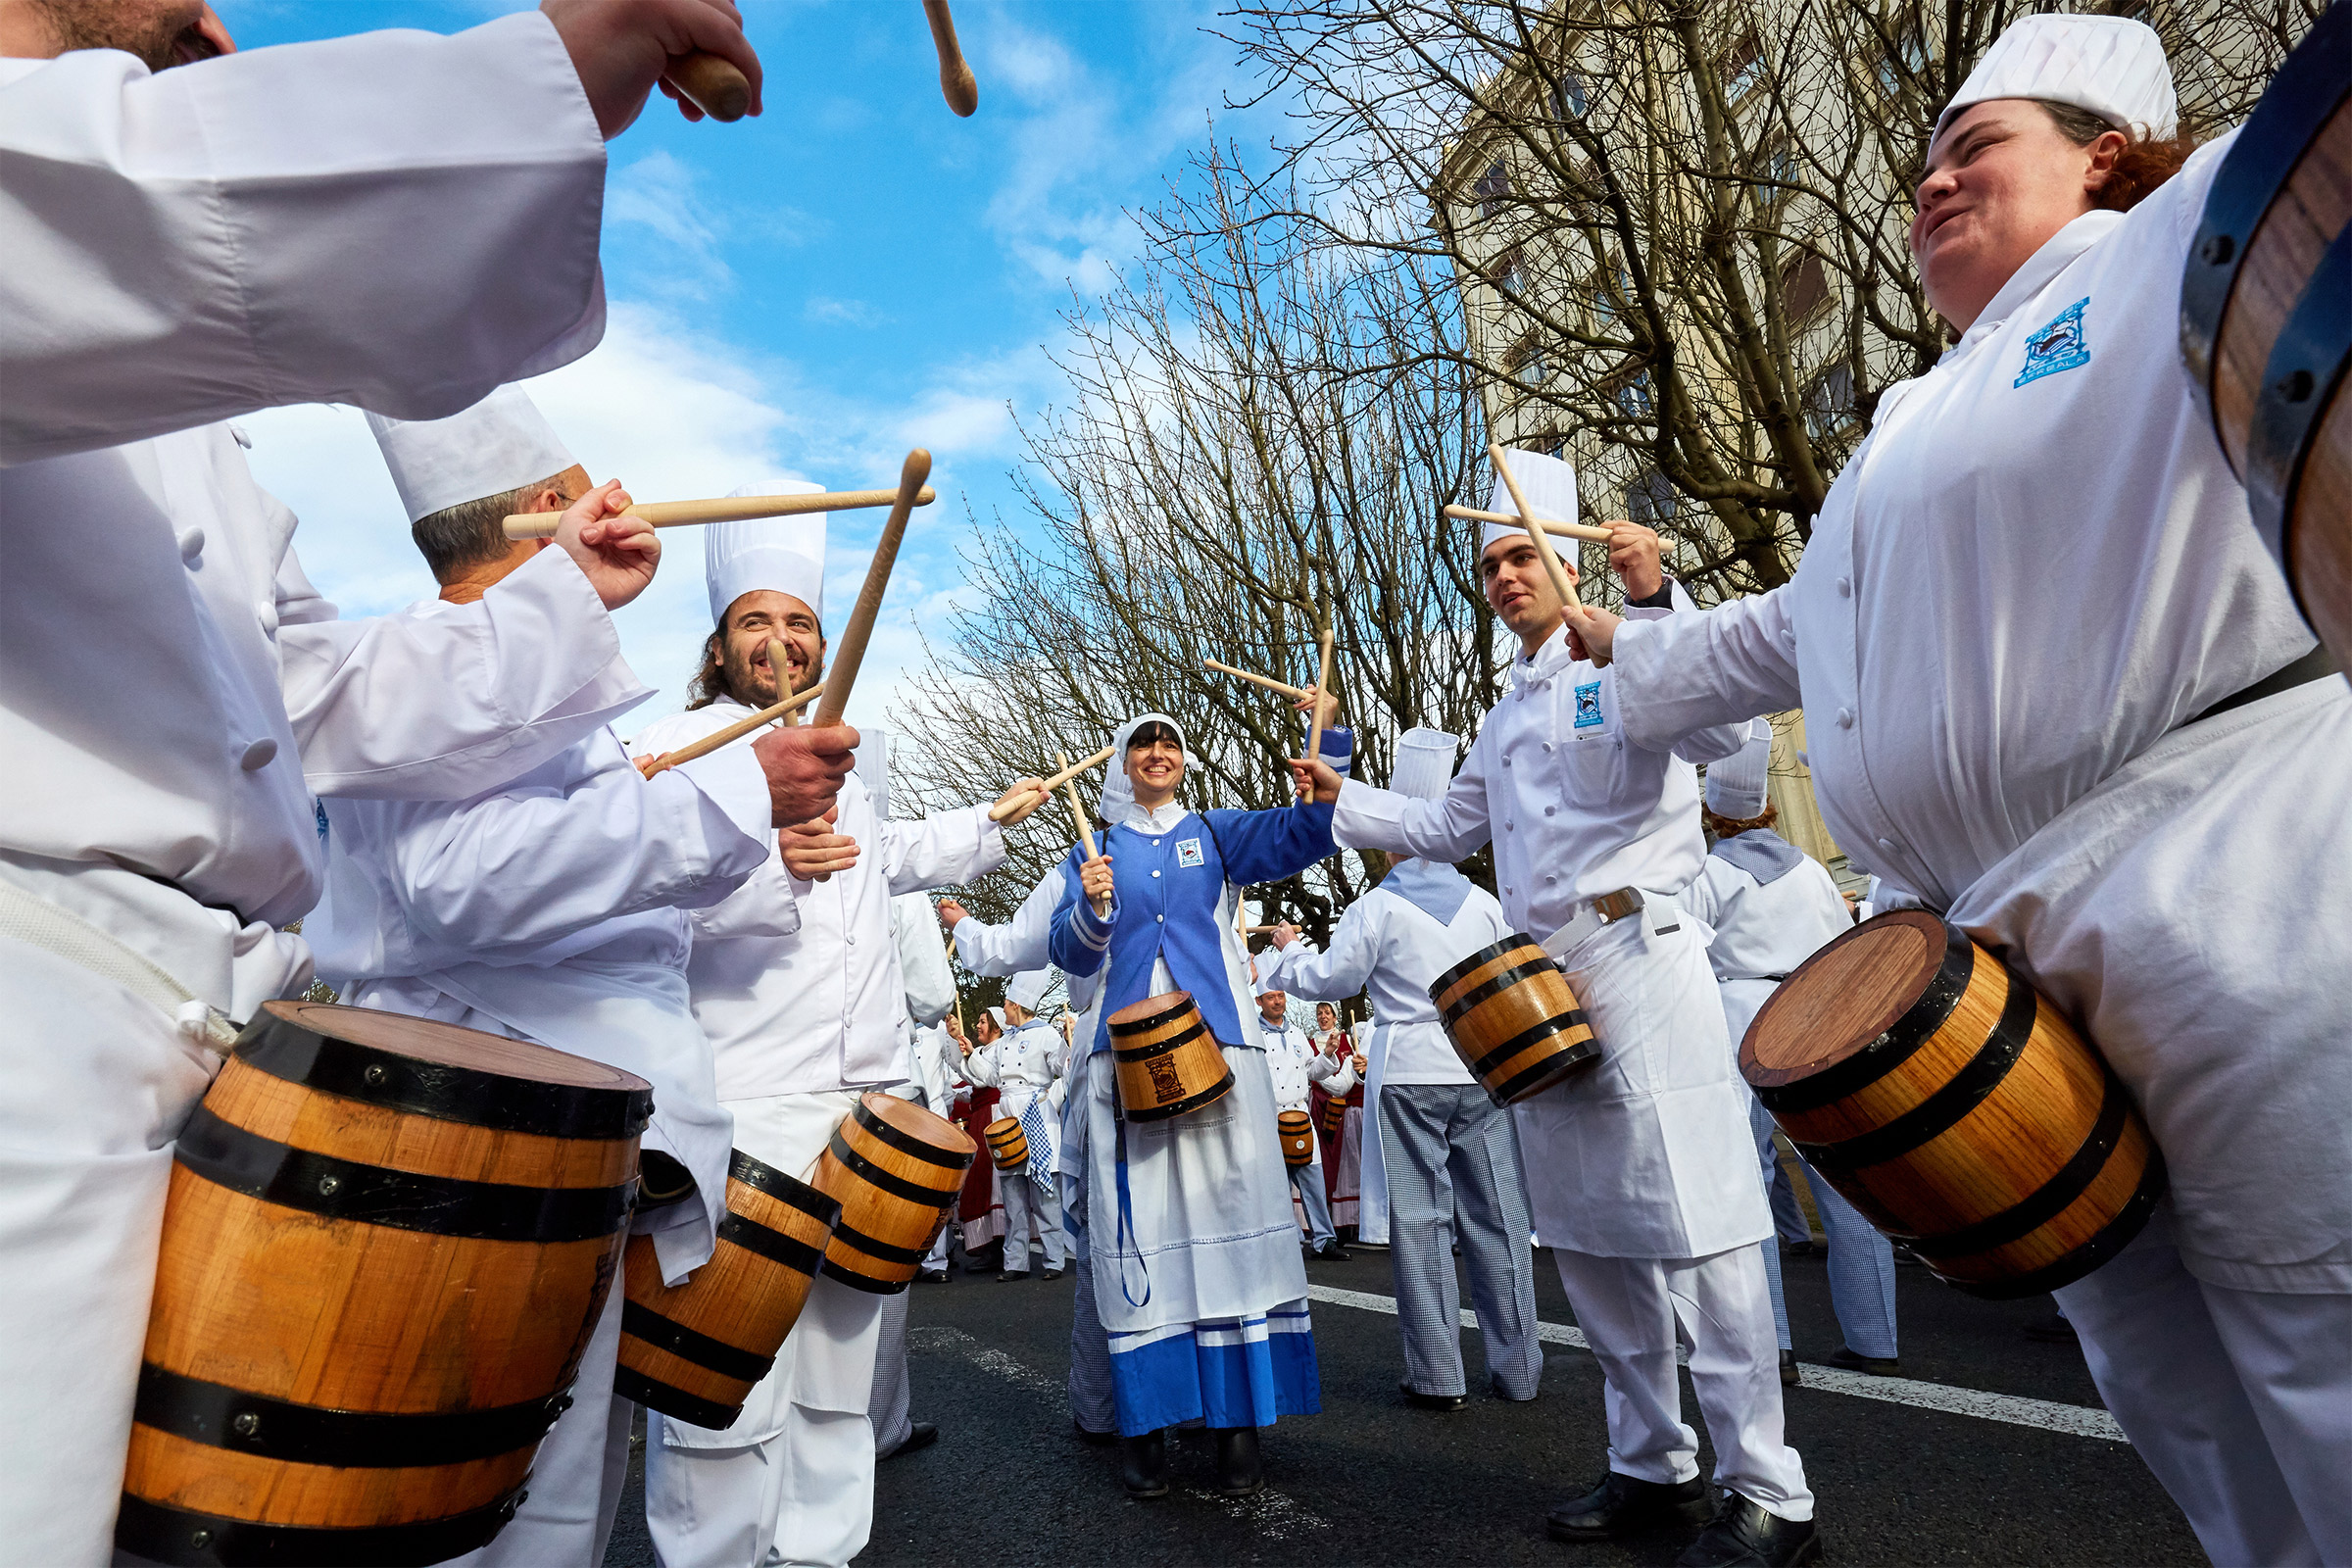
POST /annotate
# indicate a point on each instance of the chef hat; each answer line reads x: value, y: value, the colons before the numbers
x: 783, y: 554
x: 873, y: 768
x: 1424, y: 763
x: 1550, y: 485
x: 2111, y: 66
x: 1028, y: 987
x: 500, y: 444
x: 1735, y: 785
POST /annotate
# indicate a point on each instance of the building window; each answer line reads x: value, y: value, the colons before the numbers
x: 1804, y: 289
x: 1568, y: 100
x: 1632, y: 398
x: 1650, y: 500
x: 1492, y: 188
x: 1742, y: 66
x: 1830, y: 402
x: 1527, y: 362
x: 1904, y: 62
x: 1509, y: 270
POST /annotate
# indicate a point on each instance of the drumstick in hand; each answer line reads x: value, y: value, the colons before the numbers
x: 955, y: 81
x: 778, y: 659
x: 844, y: 671
x: 650, y: 765
x: 1004, y: 808
x: 1086, y: 834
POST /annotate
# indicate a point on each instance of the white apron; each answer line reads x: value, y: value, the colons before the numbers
x: 1372, y: 1176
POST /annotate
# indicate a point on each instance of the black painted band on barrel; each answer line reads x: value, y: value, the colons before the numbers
x: 672, y: 1400
x: 1494, y: 985
x: 909, y: 1144
x: 2112, y: 1238
x: 890, y: 1182
x: 167, y: 1534
x: 2305, y: 368
x: 1550, y: 1069
x: 1209, y: 1096
x: 1478, y: 959
x: 715, y: 1356
x: 1160, y: 1048
x: 1137, y: 1026
x: 2309, y: 85
x: 463, y: 1095
x: 244, y: 1422
x: 1525, y: 1038
x: 870, y: 1283
x: 1934, y: 1115
x: 230, y: 1156
x: 762, y: 1177
x: 1892, y: 1048
x: 773, y: 1245
x: 2043, y: 1205
x: 886, y: 1250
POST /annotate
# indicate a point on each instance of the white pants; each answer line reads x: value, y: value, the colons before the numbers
x: 2240, y: 1402
x: 580, y: 1472
x: 792, y: 1481
x: 94, y: 1084
x: 1633, y: 1311
x: 1026, y: 1200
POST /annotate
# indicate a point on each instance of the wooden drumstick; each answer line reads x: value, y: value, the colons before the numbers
x: 712, y: 84
x: 1267, y: 681
x: 1552, y: 525
x: 1314, y: 728
x: 1004, y: 808
x: 844, y: 671
x: 955, y: 81
x: 722, y: 508
x: 1542, y: 536
x: 1086, y: 834
x: 778, y: 657
x: 733, y: 732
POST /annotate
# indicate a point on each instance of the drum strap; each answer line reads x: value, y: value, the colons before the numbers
x: 37, y: 922
x: 1124, y: 1236
x: 2317, y: 664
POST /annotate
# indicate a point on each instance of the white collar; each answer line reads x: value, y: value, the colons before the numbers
x: 1548, y: 660
x: 2057, y: 252
x: 1160, y: 819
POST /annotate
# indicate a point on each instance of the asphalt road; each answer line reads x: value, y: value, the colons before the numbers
x: 1372, y: 1481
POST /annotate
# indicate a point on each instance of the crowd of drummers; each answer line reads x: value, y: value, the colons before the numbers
x: 645, y: 1087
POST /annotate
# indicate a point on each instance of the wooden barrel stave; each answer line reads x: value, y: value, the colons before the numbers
x: 1165, y: 1061
x: 1515, y: 1020
x: 1008, y: 1144
x: 898, y: 1171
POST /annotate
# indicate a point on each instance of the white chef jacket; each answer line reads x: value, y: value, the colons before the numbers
x: 1763, y: 930
x: 1020, y: 943
x: 2051, y: 547
x: 1023, y: 1063
x: 1287, y: 1054
x: 1388, y: 946
x: 813, y: 1000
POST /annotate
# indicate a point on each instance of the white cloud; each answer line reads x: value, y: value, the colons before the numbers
x: 827, y: 311
x: 659, y: 194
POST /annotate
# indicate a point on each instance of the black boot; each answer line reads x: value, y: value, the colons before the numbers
x: 1144, y: 1465
x: 1239, y: 1470
x: 1747, y: 1535
x: 1620, y: 1505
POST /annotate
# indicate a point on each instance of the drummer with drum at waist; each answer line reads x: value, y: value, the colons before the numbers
x: 1641, y: 1170
x: 1289, y: 1060
x: 1024, y: 1065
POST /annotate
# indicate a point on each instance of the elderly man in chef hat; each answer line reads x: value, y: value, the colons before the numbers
x: 796, y: 980
x: 552, y: 910
x: 1026, y: 1065
x: 2131, y: 727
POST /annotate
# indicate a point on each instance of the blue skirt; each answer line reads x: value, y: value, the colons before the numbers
x: 1231, y: 1372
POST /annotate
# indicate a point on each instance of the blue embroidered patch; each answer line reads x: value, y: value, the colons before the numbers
x: 1588, y: 705
x: 2057, y: 347
x: 319, y: 805
x: 1188, y: 852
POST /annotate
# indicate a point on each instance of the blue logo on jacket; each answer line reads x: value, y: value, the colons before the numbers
x: 1588, y: 705
x: 2057, y: 347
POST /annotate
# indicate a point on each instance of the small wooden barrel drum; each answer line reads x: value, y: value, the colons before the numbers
x: 1513, y: 1019
x: 1298, y: 1138
x: 1166, y: 1060
x: 694, y: 1353
x: 2266, y: 319
x: 1954, y: 1106
x: 1334, y: 1114
x: 1008, y: 1144
x: 897, y: 1170
x: 384, y: 1246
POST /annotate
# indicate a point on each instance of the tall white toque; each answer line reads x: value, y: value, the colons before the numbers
x: 500, y: 444
x: 782, y: 555
x: 1424, y: 760
x: 1028, y: 987
x: 1735, y: 785
x: 2111, y: 66
x: 1550, y: 485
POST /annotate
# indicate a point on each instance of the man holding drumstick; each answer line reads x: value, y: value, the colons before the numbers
x: 1641, y: 1170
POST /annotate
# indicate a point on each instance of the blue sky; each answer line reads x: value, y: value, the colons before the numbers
x: 810, y: 293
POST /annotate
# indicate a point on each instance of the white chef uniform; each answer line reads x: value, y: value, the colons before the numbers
x: 1024, y: 1065
x: 2042, y: 531
x: 930, y: 988
x: 163, y: 273
x: 1641, y: 1171
x: 1289, y: 1054
x: 801, y: 1018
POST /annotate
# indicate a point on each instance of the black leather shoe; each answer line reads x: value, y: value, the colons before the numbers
x: 1144, y: 1465
x: 1332, y: 1252
x: 1620, y: 1505
x: 923, y: 1434
x: 1094, y: 1440
x: 1789, y: 1376
x: 1239, y: 1472
x: 1009, y: 1275
x: 1051, y: 1274
x: 1853, y: 1360
x: 1430, y: 1401
x: 932, y: 1276
x: 1747, y: 1535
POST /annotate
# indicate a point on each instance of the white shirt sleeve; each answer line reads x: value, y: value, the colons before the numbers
x: 922, y: 959
x: 934, y: 851
x: 1449, y: 829
x: 1327, y: 976
x: 1690, y: 672
x: 1020, y: 942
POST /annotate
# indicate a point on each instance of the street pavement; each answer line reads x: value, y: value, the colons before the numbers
x: 2033, y: 1474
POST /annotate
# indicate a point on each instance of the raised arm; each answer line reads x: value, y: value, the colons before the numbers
x: 1301, y: 971
x: 1699, y: 669
x: 1019, y: 944
x: 1449, y: 829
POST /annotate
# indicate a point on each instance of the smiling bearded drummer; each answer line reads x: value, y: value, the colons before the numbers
x: 2058, y: 689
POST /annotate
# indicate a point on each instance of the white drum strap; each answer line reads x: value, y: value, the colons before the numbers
x: 36, y: 922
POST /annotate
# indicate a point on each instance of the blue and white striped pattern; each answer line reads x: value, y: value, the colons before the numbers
x: 1225, y: 1372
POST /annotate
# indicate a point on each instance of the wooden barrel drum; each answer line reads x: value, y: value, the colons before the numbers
x: 695, y: 1351
x: 2266, y: 321
x: 1008, y: 1144
x: 1954, y: 1106
x: 1334, y: 1114
x: 1165, y: 1060
x: 897, y: 1171
x: 1298, y: 1136
x: 1513, y: 1019
x: 385, y: 1243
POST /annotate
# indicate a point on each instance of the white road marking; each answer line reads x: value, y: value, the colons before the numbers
x: 2076, y: 1420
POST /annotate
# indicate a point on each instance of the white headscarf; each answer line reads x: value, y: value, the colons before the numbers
x: 1118, y: 790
